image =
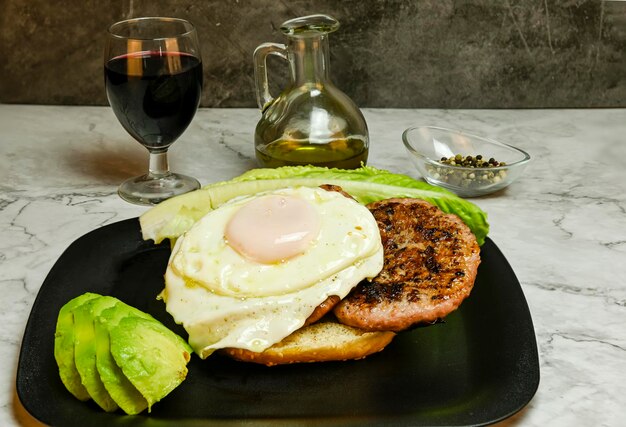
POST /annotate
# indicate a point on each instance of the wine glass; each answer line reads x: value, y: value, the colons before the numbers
x: 153, y: 79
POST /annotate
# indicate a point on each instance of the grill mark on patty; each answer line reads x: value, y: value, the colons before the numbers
x: 430, y: 263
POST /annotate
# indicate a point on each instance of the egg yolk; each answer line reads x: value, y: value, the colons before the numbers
x: 273, y: 228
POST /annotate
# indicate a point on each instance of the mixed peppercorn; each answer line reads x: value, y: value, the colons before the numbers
x: 480, y: 176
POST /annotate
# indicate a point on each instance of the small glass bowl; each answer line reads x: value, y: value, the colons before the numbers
x: 428, y: 145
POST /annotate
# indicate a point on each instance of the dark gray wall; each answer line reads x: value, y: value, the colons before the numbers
x: 388, y: 53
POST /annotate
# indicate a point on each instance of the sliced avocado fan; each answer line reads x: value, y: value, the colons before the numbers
x: 116, y: 354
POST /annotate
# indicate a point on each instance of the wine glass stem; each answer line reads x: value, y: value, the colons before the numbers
x: 158, y: 164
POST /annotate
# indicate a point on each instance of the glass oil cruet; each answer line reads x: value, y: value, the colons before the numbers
x: 311, y: 121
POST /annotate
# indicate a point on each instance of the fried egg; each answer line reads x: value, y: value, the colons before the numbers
x: 250, y: 272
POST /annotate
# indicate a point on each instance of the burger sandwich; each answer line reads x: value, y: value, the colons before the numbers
x: 305, y: 272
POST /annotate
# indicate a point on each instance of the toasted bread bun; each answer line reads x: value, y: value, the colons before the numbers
x: 323, y: 341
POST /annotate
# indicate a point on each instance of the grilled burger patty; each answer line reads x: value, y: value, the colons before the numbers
x: 431, y: 260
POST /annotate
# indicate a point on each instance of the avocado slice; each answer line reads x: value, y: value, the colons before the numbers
x: 151, y: 356
x: 85, y: 350
x: 64, y: 347
x: 123, y: 392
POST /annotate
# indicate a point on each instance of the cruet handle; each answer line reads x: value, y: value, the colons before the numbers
x: 263, y: 96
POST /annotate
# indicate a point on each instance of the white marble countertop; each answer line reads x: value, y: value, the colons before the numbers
x: 562, y: 226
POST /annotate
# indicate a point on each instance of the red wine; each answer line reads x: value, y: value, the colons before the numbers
x: 154, y: 94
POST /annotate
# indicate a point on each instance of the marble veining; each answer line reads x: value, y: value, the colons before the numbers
x: 562, y: 226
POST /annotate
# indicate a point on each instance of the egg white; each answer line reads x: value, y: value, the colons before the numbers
x: 225, y: 300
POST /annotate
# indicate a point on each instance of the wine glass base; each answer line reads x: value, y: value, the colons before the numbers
x: 151, y: 190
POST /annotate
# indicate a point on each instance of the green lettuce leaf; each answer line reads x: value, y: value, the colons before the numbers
x: 367, y: 184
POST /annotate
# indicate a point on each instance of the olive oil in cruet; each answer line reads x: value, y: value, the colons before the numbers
x: 311, y: 121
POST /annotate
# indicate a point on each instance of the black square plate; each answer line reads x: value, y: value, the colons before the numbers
x: 478, y: 367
